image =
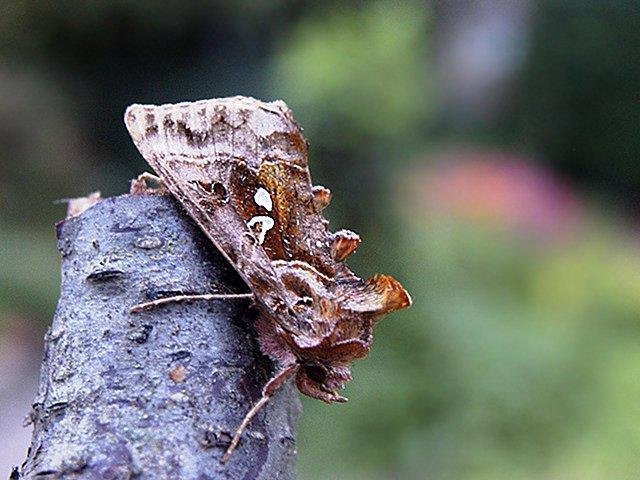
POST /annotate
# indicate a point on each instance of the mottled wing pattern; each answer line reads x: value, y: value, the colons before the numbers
x: 209, y: 164
x: 239, y: 167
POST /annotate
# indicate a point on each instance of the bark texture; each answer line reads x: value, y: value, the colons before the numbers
x: 158, y: 394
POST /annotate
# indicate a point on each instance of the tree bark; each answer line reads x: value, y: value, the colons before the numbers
x: 157, y: 394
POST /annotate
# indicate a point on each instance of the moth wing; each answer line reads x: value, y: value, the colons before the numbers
x: 192, y: 148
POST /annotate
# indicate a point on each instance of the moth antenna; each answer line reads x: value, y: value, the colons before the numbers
x: 269, y: 389
x: 183, y: 298
x: 345, y: 242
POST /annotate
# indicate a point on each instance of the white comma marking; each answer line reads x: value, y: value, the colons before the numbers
x: 266, y: 224
x: 263, y: 199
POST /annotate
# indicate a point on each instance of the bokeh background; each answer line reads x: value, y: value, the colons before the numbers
x: 487, y: 152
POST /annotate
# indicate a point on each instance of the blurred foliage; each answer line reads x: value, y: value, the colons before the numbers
x: 519, y: 358
x: 577, y: 98
x: 358, y: 74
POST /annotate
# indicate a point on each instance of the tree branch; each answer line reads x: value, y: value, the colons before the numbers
x: 155, y: 394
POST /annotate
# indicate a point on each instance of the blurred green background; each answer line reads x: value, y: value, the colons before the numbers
x: 487, y: 152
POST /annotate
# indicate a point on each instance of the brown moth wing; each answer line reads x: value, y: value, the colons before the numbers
x: 239, y: 167
x: 216, y: 157
x: 245, y: 145
x: 192, y: 147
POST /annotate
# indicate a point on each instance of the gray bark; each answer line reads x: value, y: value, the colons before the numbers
x: 157, y: 394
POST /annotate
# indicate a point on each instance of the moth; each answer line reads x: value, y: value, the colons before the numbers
x: 239, y: 168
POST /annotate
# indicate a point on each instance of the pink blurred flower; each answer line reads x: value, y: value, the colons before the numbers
x: 494, y: 189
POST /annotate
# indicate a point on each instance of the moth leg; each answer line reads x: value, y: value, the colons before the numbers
x: 267, y: 391
x: 148, y: 184
x: 183, y: 298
